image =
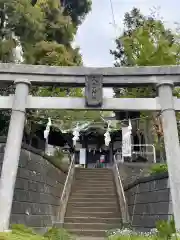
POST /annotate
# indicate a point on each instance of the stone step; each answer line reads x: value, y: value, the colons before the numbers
x: 96, y: 187
x: 92, y: 220
x: 93, y: 184
x: 95, y: 179
x: 90, y: 232
x: 76, y: 209
x: 93, y: 195
x: 94, y: 174
x: 97, y: 214
x: 97, y: 171
x: 92, y: 200
x: 93, y: 191
x: 106, y: 175
x: 89, y: 226
x: 93, y: 170
x: 92, y: 181
x: 91, y: 204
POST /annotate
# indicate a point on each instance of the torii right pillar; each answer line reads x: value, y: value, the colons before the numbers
x: 172, y: 147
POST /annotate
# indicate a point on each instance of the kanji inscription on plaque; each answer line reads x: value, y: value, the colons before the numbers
x: 93, y: 90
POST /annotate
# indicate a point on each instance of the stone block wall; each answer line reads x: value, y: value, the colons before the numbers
x: 149, y: 200
x: 131, y: 171
x: 38, y: 189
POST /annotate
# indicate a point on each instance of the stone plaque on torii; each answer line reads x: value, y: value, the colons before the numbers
x: 94, y: 90
x: 164, y: 78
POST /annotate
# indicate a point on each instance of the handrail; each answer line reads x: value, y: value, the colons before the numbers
x: 67, y: 178
x: 122, y: 197
x: 139, y: 152
x: 147, y: 145
x: 66, y: 190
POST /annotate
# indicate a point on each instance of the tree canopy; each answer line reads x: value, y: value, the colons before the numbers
x: 44, y: 30
x: 146, y: 41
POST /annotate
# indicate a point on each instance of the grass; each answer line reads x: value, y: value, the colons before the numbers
x: 158, y: 168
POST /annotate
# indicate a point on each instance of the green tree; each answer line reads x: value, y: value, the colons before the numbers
x: 77, y: 9
x: 146, y: 42
x: 44, y: 29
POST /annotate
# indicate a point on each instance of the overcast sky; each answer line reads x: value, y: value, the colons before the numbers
x: 96, y: 35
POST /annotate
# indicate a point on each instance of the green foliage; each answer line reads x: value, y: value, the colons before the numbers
x: 148, y: 46
x: 52, y: 54
x: 57, y: 162
x: 76, y: 9
x: 46, y: 21
x: 45, y: 30
x: 57, y: 234
x: 166, y: 229
x: 20, y: 232
x: 145, y: 42
x: 158, y: 168
x: 58, y: 27
x: 21, y: 228
x: 6, y: 50
x: 58, y: 154
x: 25, y: 21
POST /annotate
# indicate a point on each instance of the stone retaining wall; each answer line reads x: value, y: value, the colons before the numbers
x: 132, y: 171
x: 149, y: 200
x: 38, y: 189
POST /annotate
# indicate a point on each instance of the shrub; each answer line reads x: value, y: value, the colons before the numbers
x: 57, y: 234
x: 20, y: 232
x: 20, y: 228
x: 158, y: 168
x: 166, y: 228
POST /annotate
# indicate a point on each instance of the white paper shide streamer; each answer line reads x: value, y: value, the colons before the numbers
x: 107, y: 137
x: 75, y: 135
x: 46, y: 132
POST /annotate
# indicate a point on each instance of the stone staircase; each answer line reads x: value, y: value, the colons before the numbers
x: 93, y: 206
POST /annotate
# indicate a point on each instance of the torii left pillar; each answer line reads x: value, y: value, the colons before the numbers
x: 12, y: 152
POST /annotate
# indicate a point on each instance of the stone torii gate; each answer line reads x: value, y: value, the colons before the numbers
x: 164, y: 78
